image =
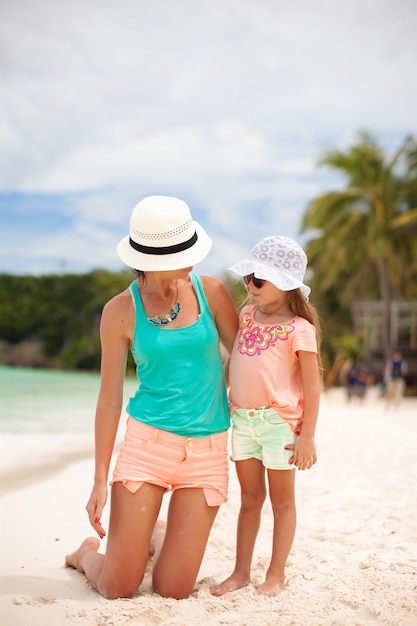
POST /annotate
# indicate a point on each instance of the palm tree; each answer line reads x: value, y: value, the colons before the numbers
x: 365, y: 235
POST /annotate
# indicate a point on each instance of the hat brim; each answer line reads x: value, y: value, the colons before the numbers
x: 281, y: 280
x: 164, y: 262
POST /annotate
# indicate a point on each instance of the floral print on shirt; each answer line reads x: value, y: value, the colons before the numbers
x: 253, y: 338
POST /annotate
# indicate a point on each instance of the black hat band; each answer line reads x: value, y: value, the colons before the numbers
x: 178, y: 247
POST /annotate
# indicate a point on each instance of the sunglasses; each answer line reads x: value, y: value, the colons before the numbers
x: 258, y: 282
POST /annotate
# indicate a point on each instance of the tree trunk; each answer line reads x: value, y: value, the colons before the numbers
x: 386, y: 300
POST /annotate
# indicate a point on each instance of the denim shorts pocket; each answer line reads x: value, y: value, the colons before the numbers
x: 274, y: 418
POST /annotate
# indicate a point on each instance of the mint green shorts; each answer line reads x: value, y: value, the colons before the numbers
x: 262, y: 434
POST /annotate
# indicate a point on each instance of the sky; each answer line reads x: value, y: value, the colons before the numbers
x: 226, y: 104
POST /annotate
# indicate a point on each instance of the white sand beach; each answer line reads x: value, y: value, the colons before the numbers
x: 353, y: 563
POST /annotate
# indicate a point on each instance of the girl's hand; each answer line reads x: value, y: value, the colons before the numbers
x: 95, y: 506
x: 305, y: 455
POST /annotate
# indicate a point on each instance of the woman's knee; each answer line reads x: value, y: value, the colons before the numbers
x: 176, y: 592
x: 120, y: 580
x: 177, y: 587
x: 118, y: 589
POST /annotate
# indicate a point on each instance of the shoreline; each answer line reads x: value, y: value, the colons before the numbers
x: 14, y: 479
x: 353, y: 562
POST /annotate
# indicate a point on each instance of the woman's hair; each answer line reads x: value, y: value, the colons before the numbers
x: 140, y: 277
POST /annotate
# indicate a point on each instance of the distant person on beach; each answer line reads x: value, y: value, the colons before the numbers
x: 172, y: 320
x: 395, y: 372
x: 358, y: 378
x: 365, y: 378
x: 274, y: 398
x: 351, y: 377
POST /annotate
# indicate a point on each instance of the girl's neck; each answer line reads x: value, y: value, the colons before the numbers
x: 273, y: 313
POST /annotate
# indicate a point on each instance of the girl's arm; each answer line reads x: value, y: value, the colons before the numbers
x: 305, y: 448
x: 114, y: 349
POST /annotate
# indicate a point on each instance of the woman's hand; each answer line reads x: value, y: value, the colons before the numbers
x: 95, y: 506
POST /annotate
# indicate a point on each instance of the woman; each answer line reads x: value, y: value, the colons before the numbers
x: 176, y: 433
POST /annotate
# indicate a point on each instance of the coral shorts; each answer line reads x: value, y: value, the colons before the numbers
x: 150, y: 455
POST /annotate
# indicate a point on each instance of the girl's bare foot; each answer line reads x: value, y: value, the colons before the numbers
x: 75, y: 559
x: 271, y: 587
x: 230, y: 584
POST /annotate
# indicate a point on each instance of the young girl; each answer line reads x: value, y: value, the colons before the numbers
x: 274, y: 400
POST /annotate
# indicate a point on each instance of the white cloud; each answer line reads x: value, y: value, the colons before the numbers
x: 226, y: 103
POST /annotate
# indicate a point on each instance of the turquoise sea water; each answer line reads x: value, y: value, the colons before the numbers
x: 46, y: 416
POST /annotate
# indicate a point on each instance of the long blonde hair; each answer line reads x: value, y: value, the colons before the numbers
x: 299, y: 306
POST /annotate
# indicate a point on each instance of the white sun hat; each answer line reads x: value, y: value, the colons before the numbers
x: 163, y: 236
x: 278, y: 259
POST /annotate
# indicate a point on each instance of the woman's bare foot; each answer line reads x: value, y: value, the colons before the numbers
x: 271, y: 587
x: 75, y: 559
x: 157, y: 539
x: 230, y: 584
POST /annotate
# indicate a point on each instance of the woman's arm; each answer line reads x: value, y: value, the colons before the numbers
x: 115, y: 330
x: 223, y: 310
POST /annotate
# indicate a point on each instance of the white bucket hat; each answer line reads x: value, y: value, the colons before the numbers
x: 163, y: 236
x: 278, y: 259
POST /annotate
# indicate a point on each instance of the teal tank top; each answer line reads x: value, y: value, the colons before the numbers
x: 180, y: 372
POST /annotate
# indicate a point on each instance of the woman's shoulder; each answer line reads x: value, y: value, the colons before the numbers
x: 121, y: 302
x: 209, y: 282
x: 219, y: 298
x: 213, y: 287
